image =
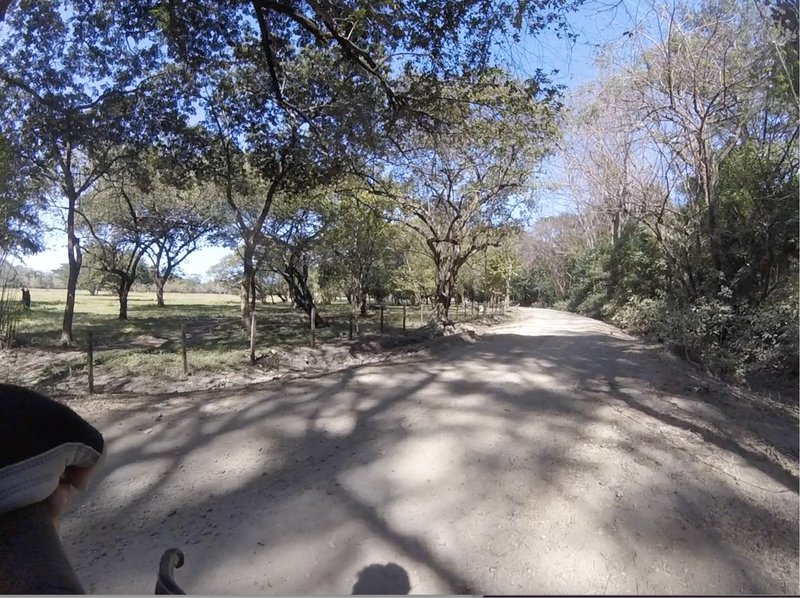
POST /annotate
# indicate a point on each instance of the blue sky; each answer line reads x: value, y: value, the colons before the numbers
x: 596, y: 23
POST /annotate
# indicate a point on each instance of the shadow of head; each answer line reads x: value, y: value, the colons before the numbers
x: 382, y: 579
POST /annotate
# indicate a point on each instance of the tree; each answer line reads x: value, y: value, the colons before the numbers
x: 68, y: 134
x: 415, y: 276
x: 21, y: 199
x: 549, y: 248
x: 226, y: 274
x: 464, y: 184
x: 608, y: 171
x: 116, y: 216
x: 291, y: 235
x: 697, y: 90
x: 92, y: 278
x: 502, y: 266
x: 252, y: 155
x: 358, y: 236
x: 179, y: 219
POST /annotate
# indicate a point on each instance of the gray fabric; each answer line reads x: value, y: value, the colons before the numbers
x: 33, y: 480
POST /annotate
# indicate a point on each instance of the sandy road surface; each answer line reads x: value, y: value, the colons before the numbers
x: 553, y: 455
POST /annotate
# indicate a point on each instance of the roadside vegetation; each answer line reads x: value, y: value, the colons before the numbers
x: 148, y: 344
x: 682, y: 174
x: 348, y: 159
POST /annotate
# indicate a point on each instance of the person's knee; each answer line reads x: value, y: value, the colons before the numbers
x: 46, y: 452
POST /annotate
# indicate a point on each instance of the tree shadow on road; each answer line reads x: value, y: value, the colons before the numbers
x: 446, y: 463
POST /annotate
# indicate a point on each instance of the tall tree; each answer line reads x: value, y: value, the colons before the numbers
x: 696, y: 90
x: 72, y: 87
x: 292, y: 233
x: 415, y: 276
x: 354, y: 242
x: 464, y: 183
x: 254, y: 154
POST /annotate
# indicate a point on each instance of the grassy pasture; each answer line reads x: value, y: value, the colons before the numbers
x: 148, y: 343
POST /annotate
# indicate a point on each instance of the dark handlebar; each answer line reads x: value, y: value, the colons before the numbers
x: 165, y: 584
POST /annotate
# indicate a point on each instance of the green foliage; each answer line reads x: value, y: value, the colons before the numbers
x: 226, y: 274
x: 758, y: 220
x: 93, y: 277
x: 494, y: 273
x: 688, y: 234
x: 636, y: 266
x: 359, y: 249
x: 589, y: 272
x: 20, y: 202
x: 415, y: 277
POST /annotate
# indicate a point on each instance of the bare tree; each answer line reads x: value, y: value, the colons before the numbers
x: 696, y: 82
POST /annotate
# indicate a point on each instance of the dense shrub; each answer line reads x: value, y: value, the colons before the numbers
x: 735, y: 344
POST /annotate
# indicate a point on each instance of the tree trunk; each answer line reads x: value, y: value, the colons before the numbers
x: 445, y: 286
x: 615, y: 226
x: 124, y: 289
x: 247, y: 291
x: 75, y: 259
x: 303, y: 298
x: 160, y: 282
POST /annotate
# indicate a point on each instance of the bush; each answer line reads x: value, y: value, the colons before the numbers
x: 733, y: 343
x: 642, y: 317
x: 10, y: 314
x: 768, y: 339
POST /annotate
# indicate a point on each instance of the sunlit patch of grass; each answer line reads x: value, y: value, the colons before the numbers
x: 205, y: 360
x: 123, y: 364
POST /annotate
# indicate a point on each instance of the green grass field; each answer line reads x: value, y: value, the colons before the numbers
x: 149, y: 341
x: 208, y: 318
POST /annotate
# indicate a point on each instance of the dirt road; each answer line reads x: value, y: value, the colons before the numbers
x: 553, y: 455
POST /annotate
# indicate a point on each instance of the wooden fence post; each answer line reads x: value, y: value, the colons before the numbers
x: 420, y: 313
x: 313, y: 329
x: 350, y: 335
x: 183, y: 350
x: 381, y: 318
x: 90, y: 363
x: 252, y: 338
x: 404, y: 317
